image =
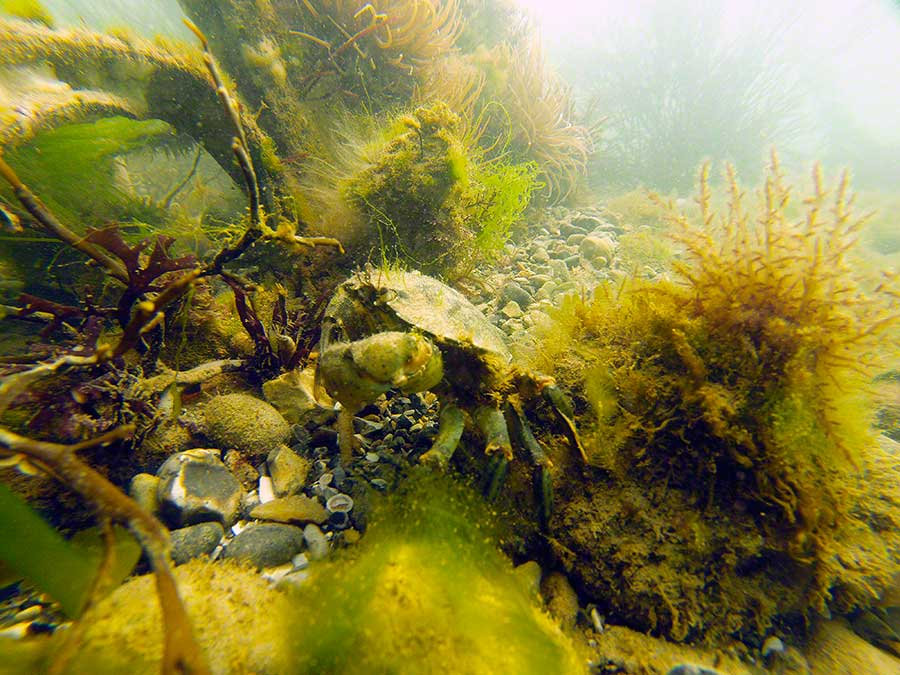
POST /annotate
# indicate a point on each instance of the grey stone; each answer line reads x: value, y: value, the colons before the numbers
x: 194, y: 541
x: 266, y: 544
x: 196, y: 487
x: 246, y: 423
x: 598, y: 250
x: 567, y: 229
x: 573, y: 261
x: 575, y: 239
x: 513, y: 292
x: 560, y: 270
x: 316, y: 543
x: 288, y: 471
x: 143, y: 490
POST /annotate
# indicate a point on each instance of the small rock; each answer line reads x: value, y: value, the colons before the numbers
x: 530, y: 574
x: 300, y: 561
x: 540, y: 255
x: 143, y: 490
x: 511, y: 310
x: 196, y: 487
x: 266, y: 544
x: 288, y: 470
x: 772, y: 645
x: 573, y: 261
x: 241, y: 469
x: 513, y: 292
x: 246, y: 423
x: 316, y: 543
x: 294, y: 509
x: 598, y: 250
x: 379, y: 484
x: 194, y: 541
x: 351, y: 536
x: 561, y: 599
x: 568, y: 229
x: 560, y: 270
x: 294, y: 394
x: 575, y: 239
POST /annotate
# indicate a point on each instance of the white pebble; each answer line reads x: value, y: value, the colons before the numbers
x: 266, y: 489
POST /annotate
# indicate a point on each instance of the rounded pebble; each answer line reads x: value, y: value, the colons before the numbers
x: 316, y: 543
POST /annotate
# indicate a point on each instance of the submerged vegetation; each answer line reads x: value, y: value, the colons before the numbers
x: 743, y: 384
x: 162, y: 213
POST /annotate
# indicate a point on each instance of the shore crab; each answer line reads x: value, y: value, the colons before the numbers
x: 386, y: 329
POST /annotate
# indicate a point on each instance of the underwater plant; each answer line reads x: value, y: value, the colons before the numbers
x: 150, y: 284
x: 513, y: 105
x: 742, y: 388
x: 413, y: 192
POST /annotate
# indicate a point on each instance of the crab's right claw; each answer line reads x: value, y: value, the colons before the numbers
x: 563, y: 408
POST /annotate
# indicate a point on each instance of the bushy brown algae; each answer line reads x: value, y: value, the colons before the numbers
x: 737, y: 482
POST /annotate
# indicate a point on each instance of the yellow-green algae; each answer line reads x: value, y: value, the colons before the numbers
x: 736, y: 479
x: 426, y: 590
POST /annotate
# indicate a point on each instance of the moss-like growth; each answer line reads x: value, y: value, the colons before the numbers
x: 743, y: 390
x: 433, y: 204
x: 427, y: 592
x: 31, y: 10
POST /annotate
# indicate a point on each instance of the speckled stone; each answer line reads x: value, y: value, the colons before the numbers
x: 195, y: 541
x: 196, y: 487
x: 288, y: 471
x: 143, y: 489
x: 246, y: 423
x: 266, y: 545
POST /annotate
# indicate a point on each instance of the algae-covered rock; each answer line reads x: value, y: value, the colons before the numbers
x: 239, y: 622
x: 428, y: 592
x: 246, y: 423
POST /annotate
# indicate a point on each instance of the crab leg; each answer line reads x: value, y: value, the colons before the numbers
x: 543, y: 483
x: 492, y: 424
x: 450, y: 429
x: 563, y: 409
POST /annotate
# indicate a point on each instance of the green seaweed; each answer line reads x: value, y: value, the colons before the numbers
x: 66, y: 570
x: 427, y: 591
x: 73, y: 168
x: 435, y: 203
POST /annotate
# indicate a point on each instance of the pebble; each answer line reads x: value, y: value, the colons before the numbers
x: 195, y: 541
x: 293, y: 394
x: 692, y: 669
x: 316, y: 543
x: 196, y: 487
x: 266, y: 544
x: 561, y: 599
x: 379, y: 484
x: 772, y: 645
x: 241, y: 469
x: 597, y: 249
x: 246, y: 423
x: 300, y: 561
x: 513, y: 292
x: 288, y: 470
x: 372, y: 457
x: 143, y: 490
x: 294, y: 509
x: 511, y: 310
